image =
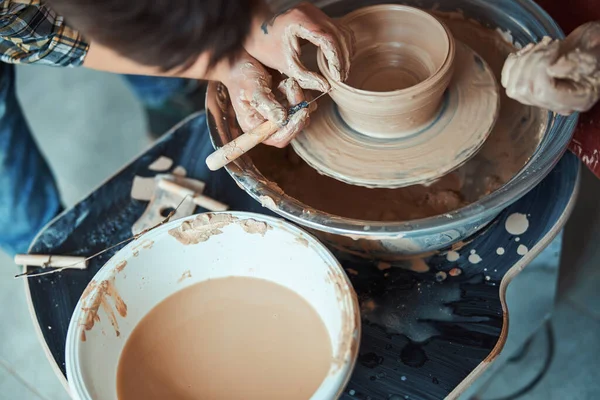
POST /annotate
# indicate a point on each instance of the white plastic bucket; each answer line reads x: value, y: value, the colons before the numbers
x: 157, y: 265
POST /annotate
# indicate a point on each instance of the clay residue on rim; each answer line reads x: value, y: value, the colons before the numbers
x: 300, y: 240
x: 255, y: 227
x: 145, y: 244
x: 268, y: 202
x: 186, y: 274
x: 204, y: 226
x: 121, y: 266
x: 348, y: 337
x: 105, y: 297
x: 201, y: 228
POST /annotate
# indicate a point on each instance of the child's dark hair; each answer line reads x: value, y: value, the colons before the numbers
x: 166, y: 34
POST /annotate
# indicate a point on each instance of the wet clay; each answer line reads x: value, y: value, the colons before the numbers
x: 514, y: 138
x: 398, y: 74
x: 229, y: 338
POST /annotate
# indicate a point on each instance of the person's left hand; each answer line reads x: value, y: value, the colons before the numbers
x: 275, y: 42
x: 249, y: 85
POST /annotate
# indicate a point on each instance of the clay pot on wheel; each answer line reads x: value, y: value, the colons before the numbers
x: 402, y: 65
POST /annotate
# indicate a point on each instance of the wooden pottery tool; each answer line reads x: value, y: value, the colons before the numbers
x: 51, y: 261
x: 246, y: 142
x: 168, y: 194
x: 198, y: 199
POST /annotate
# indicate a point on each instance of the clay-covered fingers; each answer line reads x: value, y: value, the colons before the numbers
x: 263, y: 99
x: 558, y: 76
x: 253, y: 100
x: 308, y: 80
x: 526, y: 79
x: 297, y: 121
x: 335, y: 40
x: 336, y: 45
x: 577, y: 76
x: 275, y: 42
x: 247, y: 116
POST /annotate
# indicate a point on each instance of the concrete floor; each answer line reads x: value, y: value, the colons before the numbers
x: 88, y: 125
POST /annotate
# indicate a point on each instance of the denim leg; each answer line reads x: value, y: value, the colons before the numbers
x: 29, y: 197
x: 154, y: 92
x: 166, y: 101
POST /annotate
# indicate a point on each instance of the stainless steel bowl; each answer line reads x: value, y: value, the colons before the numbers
x: 527, y: 23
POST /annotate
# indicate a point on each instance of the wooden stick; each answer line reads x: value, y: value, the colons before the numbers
x: 51, y: 261
x: 240, y: 145
x: 198, y: 199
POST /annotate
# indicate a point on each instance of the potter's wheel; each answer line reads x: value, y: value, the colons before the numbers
x: 463, y: 122
x: 524, y: 145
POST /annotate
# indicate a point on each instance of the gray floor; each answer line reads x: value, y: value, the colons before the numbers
x: 88, y: 125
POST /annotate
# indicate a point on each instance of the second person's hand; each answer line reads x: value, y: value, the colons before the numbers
x: 561, y: 76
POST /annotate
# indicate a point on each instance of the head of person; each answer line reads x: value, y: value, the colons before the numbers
x: 169, y: 35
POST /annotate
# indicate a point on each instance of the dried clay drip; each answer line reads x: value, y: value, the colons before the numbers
x: 415, y: 106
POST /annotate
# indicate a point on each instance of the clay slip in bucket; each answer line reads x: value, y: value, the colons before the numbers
x: 402, y: 65
x: 146, y: 272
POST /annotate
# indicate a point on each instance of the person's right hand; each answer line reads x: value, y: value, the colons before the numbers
x: 275, y: 41
x: 249, y: 85
x: 563, y: 77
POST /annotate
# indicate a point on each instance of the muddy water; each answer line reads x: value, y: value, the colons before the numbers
x: 230, y: 338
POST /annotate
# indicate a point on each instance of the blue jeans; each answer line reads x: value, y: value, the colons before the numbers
x: 29, y: 197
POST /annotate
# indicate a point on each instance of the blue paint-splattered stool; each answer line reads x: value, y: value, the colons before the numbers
x: 426, y: 335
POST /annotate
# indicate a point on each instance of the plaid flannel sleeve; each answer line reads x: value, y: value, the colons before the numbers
x: 32, y: 33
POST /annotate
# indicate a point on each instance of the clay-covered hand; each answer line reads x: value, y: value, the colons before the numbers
x: 274, y: 40
x: 249, y: 85
x: 561, y: 76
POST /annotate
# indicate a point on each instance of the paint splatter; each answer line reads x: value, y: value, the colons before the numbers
x: 455, y: 272
x: 474, y: 258
x: 518, y: 239
x: 368, y: 306
x: 382, y: 265
x: 500, y: 251
x: 522, y: 250
x: 418, y: 265
x: 441, y: 276
x: 517, y: 224
x: 487, y: 278
x: 452, y: 256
